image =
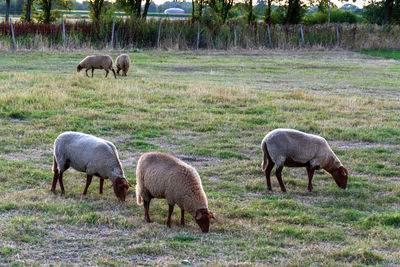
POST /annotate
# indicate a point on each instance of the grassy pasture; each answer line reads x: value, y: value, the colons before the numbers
x: 211, y: 109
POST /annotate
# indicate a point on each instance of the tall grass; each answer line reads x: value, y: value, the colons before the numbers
x: 182, y: 35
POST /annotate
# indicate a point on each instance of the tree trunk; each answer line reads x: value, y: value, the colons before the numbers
x: 28, y: 10
x: 146, y: 8
x: 138, y: 7
x: 269, y: 12
x: 8, y: 2
x: 193, y: 11
x: 47, y: 10
x: 250, y: 10
x: 388, y: 12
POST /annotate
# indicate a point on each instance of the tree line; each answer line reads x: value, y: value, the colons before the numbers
x: 271, y: 11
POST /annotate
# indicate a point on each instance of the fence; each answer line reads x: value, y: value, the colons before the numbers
x: 182, y: 34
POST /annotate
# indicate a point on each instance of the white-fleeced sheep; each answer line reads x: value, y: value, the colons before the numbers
x: 122, y: 63
x: 160, y: 175
x: 292, y: 148
x: 92, y: 155
x: 96, y: 62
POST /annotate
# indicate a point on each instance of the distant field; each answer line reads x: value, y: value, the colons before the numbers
x: 212, y: 109
x: 395, y: 54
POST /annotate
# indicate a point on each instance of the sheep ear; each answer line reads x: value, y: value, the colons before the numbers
x: 343, y: 171
x: 198, y: 215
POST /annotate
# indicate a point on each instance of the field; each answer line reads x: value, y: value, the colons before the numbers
x: 211, y: 109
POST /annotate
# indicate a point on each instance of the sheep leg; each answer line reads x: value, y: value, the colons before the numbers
x: 92, y: 72
x: 146, y: 205
x: 106, y: 73
x: 88, y: 182
x: 278, y: 174
x: 310, y: 172
x: 54, y: 183
x: 182, y: 216
x: 86, y: 72
x: 170, y: 210
x: 55, y: 176
x: 118, y: 70
x: 115, y: 76
x: 268, y: 174
x: 101, y: 185
x: 61, y: 183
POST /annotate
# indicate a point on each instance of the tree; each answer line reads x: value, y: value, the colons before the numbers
x: 387, y: 18
x: 295, y: 12
x: 131, y: 7
x: 96, y: 10
x: 28, y: 11
x: 221, y: 8
x: 146, y: 9
x: 267, y: 12
x: 8, y: 2
x: 49, y: 13
x: 249, y: 14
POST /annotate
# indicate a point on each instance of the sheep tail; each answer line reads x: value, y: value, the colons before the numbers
x: 139, y: 179
x: 265, y: 156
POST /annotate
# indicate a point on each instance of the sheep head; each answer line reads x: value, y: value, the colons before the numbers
x: 78, y: 68
x: 203, y: 218
x: 341, y: 176
x: 121, y: 186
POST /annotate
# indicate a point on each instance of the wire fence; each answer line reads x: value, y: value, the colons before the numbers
x: 184, y: 35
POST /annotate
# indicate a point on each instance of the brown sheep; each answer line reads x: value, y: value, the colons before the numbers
x: 96, y: 62
x: 123, y: 63
x: 292, y: 148
x: 160, y: 175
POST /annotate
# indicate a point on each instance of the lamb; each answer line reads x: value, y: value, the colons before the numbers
x: 292, y: 148
x: 92, y: 155
x: 123, y: 63
x: 160, y: 175
x: 96, y: 62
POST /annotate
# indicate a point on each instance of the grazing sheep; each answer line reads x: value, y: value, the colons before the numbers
x: 96, y: 62
x: 292, y: 148
x: 123, y: 63
x: 92, y: 155
x: 160, y: 175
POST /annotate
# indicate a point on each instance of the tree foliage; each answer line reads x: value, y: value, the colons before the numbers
x: 221, y: 8
x: 49, y: 9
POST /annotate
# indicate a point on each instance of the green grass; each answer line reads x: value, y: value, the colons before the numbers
x: 212, y: 109
x: 395, y: 54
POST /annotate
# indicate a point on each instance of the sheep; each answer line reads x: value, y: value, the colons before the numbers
x: 160, y: 175
x: 292, y: 148
x: 123, y: 63
x: 96, y: 62
x: 92, y: 155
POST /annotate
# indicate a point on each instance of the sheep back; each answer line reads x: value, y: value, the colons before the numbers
x: 123, y: 62
x: 97, y: 62
x: 160, y: 175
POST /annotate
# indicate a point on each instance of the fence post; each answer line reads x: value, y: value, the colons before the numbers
x: 63, y: 33
x: 112, y: 35
x: 234, y: 34
x: 159, y: 33
x: 13, y: 36
x: 198, y: 34
x: 337, y: 33
x: 302, y: 34
x: 369, y: 30
x: 269, y: 36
